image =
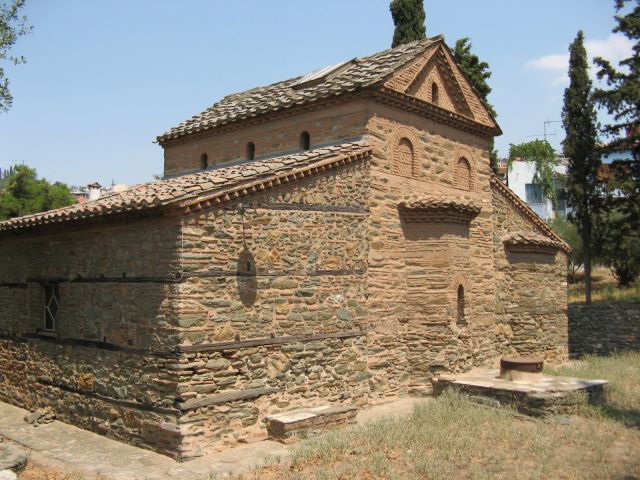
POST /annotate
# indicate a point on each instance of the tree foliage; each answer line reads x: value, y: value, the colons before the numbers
x: 408, y: 17
x: 580, y: 148
x: 617, y: 243
x: 569, y: 233
x: 477, y: 72
x: 24, y: 193
x: 542, y: 154
x: 622, y: 101
x: 12, y: 27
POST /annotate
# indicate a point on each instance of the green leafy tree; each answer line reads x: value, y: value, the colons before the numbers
x: 622, y: 101
x: 24, y: 194
x: 408, y: 17
x: 580, y: 148
x: 542, y: 154
x: 617, y: 243
x: 569, y: 233
x: 12, y: 27
x: 477, y: 72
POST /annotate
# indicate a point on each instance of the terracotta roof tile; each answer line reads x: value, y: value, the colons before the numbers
x: 527, y: 239
x: 348, y: 77
x: 187, y: 188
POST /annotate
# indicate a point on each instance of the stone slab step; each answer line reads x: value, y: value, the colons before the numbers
x: 293, y: 426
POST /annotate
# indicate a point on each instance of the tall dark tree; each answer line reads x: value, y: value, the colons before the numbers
x: 478, y: 73
x: 622, y: 101
x: 12, y: 26
x: 580, y: 148
x: 408, y: 17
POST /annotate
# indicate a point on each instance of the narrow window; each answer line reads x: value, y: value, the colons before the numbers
x: 463, y: 174
x: 51, y: 306
x: 204, y: 161
x: 460, y: 316
x: 434, y: 93
x: 305, y: 141
x: 251, y: 151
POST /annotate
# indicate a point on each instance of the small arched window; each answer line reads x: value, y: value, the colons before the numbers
x: 204, y: 161
x: 463, y: 174
x: 460, y: 305
x: 305, y: 141
x: 251, y: 151
x: 434, y: 93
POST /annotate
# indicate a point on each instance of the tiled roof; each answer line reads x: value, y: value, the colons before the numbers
x: 347, y: 77
x: 438, y: 209
x: 187, y: 189
x: 438, y: 202
x: 527, y: 239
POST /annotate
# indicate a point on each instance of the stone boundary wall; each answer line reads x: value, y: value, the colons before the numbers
x: 604, y: 329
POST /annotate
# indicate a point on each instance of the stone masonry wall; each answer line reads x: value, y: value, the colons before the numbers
x: 531, y: 292
x: 272, y: 307
x: 604, y: 329
x: 415, y: 269
x: 277, y: 137
x: 103, y: 367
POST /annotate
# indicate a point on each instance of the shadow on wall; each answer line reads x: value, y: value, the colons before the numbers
x: 530, y: 257
x: 432, y: 230
x: 247, y: 279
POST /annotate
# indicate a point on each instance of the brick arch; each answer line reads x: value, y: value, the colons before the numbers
x: 463, y: 170
x: 404, y: 153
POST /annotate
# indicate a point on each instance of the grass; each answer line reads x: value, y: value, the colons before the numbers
x: 622, y: 397
x: 604, y: 289
x: 450, y: 437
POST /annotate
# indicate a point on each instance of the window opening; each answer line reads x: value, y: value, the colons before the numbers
x: 251, y: 151
x: 305, y: 141
x: 461, y: 305
x: 204, y: 161
x: 434, y: 93
x: 51, y: 306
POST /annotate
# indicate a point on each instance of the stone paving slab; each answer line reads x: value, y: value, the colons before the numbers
x: 58, y: 445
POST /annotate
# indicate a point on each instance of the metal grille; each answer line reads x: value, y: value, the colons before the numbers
x: 51, y: 306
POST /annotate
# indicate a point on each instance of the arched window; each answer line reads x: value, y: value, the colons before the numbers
x: 404, y: 162
x: 434, y: 93
x: 305, y: 141
x: 463, y: 174
x: 460, y: 304
x: 251, y: 151
x: 204, y: 161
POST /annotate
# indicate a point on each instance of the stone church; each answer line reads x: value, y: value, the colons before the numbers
x: 332, y: 239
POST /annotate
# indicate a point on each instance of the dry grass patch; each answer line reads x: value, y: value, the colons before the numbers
x: 450, y: 437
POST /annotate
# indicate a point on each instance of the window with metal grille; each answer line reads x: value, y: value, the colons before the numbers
x: 51, y: 306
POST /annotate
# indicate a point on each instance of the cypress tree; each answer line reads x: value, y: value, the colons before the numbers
x: 622, y: 101
x: 408, y: 17
x: 477, y: 72
x: 579, y: 145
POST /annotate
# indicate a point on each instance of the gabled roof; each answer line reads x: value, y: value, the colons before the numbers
x: 528, y: 213
x: 211, y: 187
x: 346, y: 77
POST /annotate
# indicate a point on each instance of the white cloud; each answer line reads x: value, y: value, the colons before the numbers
x: 614, y: 48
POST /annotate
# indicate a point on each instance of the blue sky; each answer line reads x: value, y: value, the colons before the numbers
x: 104, y: 78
